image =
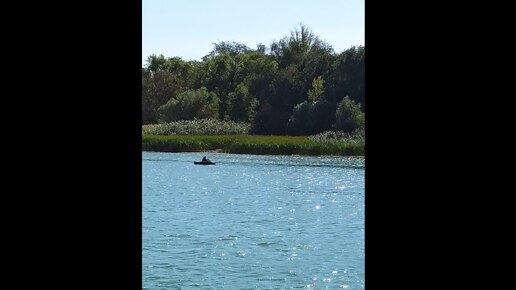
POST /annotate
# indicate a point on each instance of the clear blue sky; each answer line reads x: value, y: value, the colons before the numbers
x: 188, y: 28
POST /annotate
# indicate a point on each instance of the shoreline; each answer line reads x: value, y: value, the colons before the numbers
x: 293, y: 155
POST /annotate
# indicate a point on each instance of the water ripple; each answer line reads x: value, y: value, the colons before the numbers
x: 252, y: 222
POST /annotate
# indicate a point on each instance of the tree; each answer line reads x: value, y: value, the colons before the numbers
x: 293, y: 87
x: 219, y: 78
x: 229, y: 48
x: 296, y: 124
x: 157, y: 88
x: 311, y: 118
x: 162, y: 79
x: 348, y: 116
x: 348, y: 76
x: 301, y: 58
x: 317, y: 89
x: 241, y: 105
x: 230, y: 65
x: 189, y: 105
x: 322, y: 116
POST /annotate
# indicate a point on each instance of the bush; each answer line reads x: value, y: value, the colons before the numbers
x: 349, y: 117
x: 197, y: 127
x: 311, y: 118
x: 189, y: 105
x: 357, y: 136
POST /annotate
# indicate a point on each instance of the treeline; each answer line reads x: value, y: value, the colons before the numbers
x: 297, y: 86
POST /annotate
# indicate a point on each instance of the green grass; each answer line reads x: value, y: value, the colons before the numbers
x: 251, y: 144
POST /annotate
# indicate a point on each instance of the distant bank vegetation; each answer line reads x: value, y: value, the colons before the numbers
x: 231, y: 137
x: 296, y: 86
x: 296, y: 96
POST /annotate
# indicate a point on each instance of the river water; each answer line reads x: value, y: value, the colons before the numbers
x: 252, y: 222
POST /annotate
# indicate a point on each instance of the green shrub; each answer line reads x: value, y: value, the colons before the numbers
x: 189, y: 105
x: 197, y: 127
x: 349, y: 117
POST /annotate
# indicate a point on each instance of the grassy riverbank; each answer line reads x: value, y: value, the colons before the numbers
x: 251, y: 144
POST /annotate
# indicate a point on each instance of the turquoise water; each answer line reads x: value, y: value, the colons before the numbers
x: 252, y: 222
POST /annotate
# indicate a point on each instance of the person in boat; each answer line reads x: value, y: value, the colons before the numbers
x: 204, y: 159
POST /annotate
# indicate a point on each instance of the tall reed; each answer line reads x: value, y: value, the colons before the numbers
x: 250, y: 144
x: 197, y: 127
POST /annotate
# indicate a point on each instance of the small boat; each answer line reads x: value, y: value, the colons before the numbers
x: 204, y: 163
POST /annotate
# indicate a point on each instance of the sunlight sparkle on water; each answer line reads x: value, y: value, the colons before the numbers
x: 234, y: 225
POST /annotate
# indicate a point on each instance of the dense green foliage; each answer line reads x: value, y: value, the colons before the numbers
x: 349, y: 116
x: 311, y: 118
x: 268, y: 87
x: 253, y: 144
x: 190, y: 105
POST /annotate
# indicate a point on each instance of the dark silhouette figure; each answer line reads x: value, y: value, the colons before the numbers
x: 205, y: 161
